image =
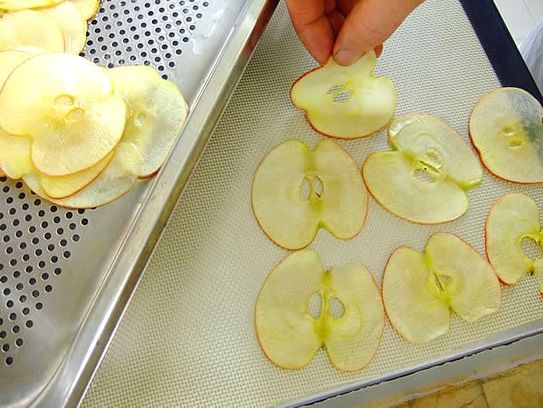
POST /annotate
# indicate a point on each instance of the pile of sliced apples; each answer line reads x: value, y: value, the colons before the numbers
x: 348, y: 321
x: 336, y: 198
x: 425, y: 178
x: 54, y: 25
x: 506, y: 128
x: 513, y: 219
x: 420, y: 289
x: 346, y: 102
x: 80, y: 135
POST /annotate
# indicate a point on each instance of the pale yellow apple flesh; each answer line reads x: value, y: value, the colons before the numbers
x: 506, y: 128
x: 9, y: 60
x: 115, y: 180
x: 88, y: 8
x: 26, y: 4
x: 419, y: 289
x: 290, y: 218
x: 15, y: 159
x: 290, y: 335
x: 72, y: 24
x: 30, y: 27
x: 66, y: 105
x: 157, y: 112
x: 345, y: 102
x: 425, y: 178
x: 514, y: 217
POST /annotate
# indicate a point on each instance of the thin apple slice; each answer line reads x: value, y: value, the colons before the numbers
x: 290, y: 335
x: 115, y: 180
x: 65, y: 186
x: 424, y: 180
x: 88, y: 8
x: 30, y: 27
x: 65, y: 103
x: 512, y: 219
x: 72, y: 24
x: 418, y: 289
x: 337, y: 199
x: 505, y: 127
x: 9, y: 60
x: 345, y: 102
x: 14, y: 5
x: 15, y: 159
x: 157, y: 113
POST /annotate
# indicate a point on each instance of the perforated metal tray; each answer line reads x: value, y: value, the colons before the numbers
x: 65, y: 276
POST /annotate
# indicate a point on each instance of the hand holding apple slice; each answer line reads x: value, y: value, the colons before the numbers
x: 337, y: 199
x: 512, y: 219
x: 288, y: 332
x: 507, y: 130
x: 419, y: 289
x: 345, y: 102
x: 425, y: 178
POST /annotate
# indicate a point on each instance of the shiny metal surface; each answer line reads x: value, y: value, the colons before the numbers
x: 66, y: 276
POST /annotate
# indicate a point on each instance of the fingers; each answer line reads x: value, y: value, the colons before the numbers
x: 314, y: 28
x: 368, y: 25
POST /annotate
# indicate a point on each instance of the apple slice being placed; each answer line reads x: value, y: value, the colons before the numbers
x: 513, y: 219
x: 425, y: 178
x: 66, y: 104
x: 115, y: 180
x: 72, y: 24
x: 157, y: 112
x: 349, y: 324
x: 30, y: 27
x: 419, y: 289
x: 336, y: 198
x: 505, y: 127
x: 345, y: 102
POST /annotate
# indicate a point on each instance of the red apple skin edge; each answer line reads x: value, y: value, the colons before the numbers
x: 319, y: 226
x: 486, y: 247
x: 479, y: 151
x: 311, y: 124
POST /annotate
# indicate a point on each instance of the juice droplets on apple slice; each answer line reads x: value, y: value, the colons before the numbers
x: 336, y: 198
x: 513, y: 218
x: 290, y: 334
x: 345, y: 102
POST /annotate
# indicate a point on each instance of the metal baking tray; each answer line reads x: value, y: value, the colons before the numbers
x: 187, y: 337
x: 65, y: 275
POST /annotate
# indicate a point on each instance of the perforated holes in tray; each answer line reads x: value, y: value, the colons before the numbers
x: 36, y: 238
x: 153, y: 33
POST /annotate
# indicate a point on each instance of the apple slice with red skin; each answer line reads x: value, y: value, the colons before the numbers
x: 513, y: 218
x: 506, y: 128
x: 345, y: 102
x: 425, y: 178
x: 157, y: 113
x: 419, y: 289
x: 292, y: 220
x: 290, y: 335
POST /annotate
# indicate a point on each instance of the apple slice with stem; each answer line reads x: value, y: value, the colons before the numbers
x: 513, y: 219
x: 425, y: 178
x: 30, y: 27
x: 506, y: 129
x: 88, y: 8
x: 345, y: 102
x: 115, y: 180
x: 419, y: 289
x: 337, y: 199
x: 14, y: 5
x: 290, y: 335
x: 66, y: 104
x: 72, y: 24
x: 157, y: 112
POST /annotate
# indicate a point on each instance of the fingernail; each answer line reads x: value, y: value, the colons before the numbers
x: 347, y: 57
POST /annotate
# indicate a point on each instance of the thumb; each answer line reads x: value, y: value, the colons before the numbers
x: 369, y: 24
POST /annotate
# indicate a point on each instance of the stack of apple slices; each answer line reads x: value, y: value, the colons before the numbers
x: 80, y: 135
x: 348, y: 322
x: 54, y: 25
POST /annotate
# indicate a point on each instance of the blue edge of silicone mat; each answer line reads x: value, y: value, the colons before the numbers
x: 500, y: 46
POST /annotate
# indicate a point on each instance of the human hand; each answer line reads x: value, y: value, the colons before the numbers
x: 347, y: 29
